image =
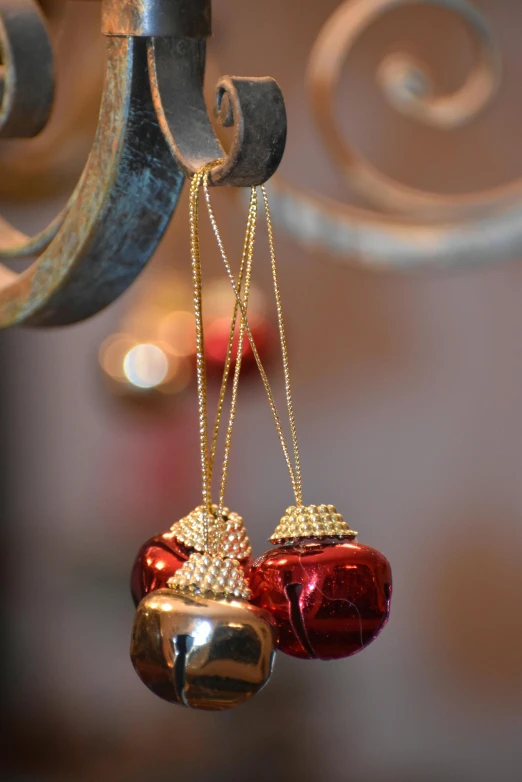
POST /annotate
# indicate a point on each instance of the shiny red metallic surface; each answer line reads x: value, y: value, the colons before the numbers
x: 329, y: 599
x: 157, y: 560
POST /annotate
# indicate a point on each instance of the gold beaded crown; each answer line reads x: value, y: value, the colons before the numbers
x: 311, y: 521
x: 227, y: 530
x: 206, y: 575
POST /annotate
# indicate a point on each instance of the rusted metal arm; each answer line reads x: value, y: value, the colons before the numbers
x: 153, y: 129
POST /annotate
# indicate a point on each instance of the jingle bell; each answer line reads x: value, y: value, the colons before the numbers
x: 198, y: 643
x: 160, y: 557
x: 156, y: 562
x: 328, y: 595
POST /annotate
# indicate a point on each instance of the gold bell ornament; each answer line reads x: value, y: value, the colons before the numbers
x: 197, y: 641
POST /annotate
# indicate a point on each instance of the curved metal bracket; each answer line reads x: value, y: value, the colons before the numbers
x: 153, y: 129
x: 117, y: 214
x: 255, y: 107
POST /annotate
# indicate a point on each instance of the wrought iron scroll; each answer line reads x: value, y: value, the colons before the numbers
x: 153, y: 130
x: 406, y: 228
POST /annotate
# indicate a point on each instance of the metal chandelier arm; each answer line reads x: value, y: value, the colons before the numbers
x: 153, y: 128
x: 117, y: 214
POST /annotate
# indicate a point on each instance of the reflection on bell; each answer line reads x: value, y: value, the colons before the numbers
x: 201, y: 652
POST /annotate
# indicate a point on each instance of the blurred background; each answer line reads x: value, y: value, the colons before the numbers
x: 408, y: 390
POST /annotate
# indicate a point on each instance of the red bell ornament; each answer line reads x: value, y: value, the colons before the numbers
x: 328, y: 595
x: 160, y: 557
x: 157, y: 561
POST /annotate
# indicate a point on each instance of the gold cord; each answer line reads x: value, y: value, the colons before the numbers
x: 249, y: 252
x: 246, y: 261
x: 295, y: 474
x: 241, y: 290
x: 284, y: 352
x: 200, y: 349
x: 207, y: 460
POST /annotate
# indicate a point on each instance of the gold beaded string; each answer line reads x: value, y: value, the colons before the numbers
x: 293, y: 469
x: 284, y: 351
x: 207, y: 461
x: 201, y: 374
x: 245, y: 269
x: 249, y: 252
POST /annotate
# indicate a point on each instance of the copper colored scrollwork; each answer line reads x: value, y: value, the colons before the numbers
x: 402, y: 227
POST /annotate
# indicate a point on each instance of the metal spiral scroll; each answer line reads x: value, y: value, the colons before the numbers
x: 153, y: 130
x: 410, y: 227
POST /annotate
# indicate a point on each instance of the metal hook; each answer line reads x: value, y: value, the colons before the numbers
x: 176, y: 31
x: 253, y: 106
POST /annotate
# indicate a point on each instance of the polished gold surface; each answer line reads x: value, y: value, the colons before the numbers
x: 211, y: 576
x: 311, y: 521
x: 193, y: 529
x: 201, y: 653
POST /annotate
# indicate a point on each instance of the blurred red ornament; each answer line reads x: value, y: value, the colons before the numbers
x: 329, y: 599
x: 217, y: 334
